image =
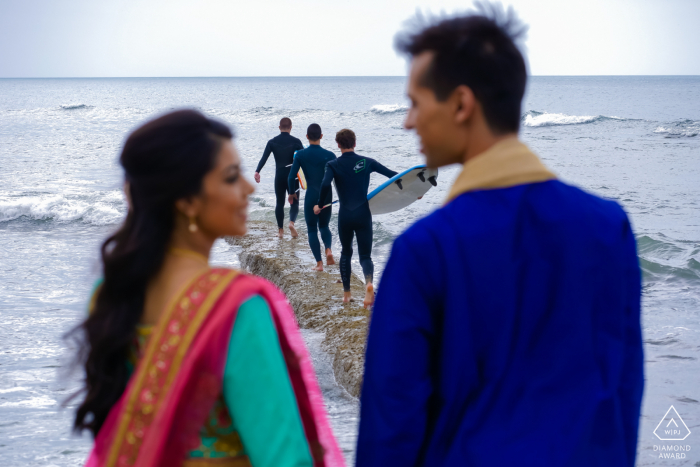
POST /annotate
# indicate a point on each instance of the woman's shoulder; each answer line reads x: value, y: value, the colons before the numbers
x: 245, y: 282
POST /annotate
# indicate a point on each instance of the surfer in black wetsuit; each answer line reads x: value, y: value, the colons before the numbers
x: 283, y: 147
x: 351, y: 173
x: 312, y: 161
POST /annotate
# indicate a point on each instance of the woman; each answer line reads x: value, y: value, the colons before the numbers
x: 187, y: 364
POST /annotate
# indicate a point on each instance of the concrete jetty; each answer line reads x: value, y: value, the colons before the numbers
x: 317, y: 297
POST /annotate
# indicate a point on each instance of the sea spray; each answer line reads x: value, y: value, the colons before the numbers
x: 389, y: 108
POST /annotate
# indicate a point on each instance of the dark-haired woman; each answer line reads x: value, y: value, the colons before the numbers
x: 189, y: 365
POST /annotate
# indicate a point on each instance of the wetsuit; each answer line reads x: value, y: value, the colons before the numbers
x: 283, y: 146
x: 351, y: 173
x: 312, y: 161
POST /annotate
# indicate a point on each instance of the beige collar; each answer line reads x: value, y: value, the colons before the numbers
x: 507, y: 163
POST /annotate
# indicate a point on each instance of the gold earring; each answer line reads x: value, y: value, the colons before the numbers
x: 193, y: 225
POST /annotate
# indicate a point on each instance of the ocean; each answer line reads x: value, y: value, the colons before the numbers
x: 632, y: 139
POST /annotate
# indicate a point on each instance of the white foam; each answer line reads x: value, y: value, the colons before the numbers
x: 97, y: 209
x: 388, y: 108
x: 681, y: 131
x: 547, y: 119
x: 15, y: 389
x: 74, y: 106
x: 37, y: 402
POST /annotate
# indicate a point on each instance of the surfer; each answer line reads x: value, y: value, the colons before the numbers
x: 312, y: 161
x: 283, y: 147
x: 351, y: 174
x: 507, y: 325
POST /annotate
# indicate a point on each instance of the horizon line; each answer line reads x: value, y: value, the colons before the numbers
x: 313, y: 76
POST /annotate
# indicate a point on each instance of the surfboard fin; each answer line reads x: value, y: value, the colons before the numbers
x: 398, y: 182
x: 432, y: 180
x: 421, y: 176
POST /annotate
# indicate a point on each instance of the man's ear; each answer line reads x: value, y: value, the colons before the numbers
x: 464, y: 103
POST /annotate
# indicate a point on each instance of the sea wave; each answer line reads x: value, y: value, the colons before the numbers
x: 388, y: 108
x: 75, y: 106
x: 664, y: 260
x: 538, y: 119
x: 102, y: 209
x: 680, y: 129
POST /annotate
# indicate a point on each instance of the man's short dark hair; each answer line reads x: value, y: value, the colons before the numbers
x: 314, y: 132
x: 476, y: 50
x: 286, y: 123
x: 345, y: 138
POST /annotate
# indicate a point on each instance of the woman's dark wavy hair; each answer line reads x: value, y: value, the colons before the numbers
x: 164, y: 160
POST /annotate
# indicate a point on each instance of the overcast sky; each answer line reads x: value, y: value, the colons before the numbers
x: 116, y: 38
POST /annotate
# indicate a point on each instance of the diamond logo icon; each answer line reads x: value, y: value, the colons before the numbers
x: 672, y: 427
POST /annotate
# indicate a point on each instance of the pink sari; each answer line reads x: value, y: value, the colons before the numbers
x: 176, y: 383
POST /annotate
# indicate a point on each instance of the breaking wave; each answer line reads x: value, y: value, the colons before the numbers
x: 680, y: 129
x: 538, y: 119
x: 664, y: 260
x: 388, y: 108
x: 75, y: 106
x: 103, y: 209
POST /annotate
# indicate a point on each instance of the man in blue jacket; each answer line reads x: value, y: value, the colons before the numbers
x: 312, y: 161
x: 506, y: 328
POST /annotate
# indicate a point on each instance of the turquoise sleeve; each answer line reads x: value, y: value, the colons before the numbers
x: 259, y: 394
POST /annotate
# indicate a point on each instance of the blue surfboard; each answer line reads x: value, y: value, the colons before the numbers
x: 402, y: 190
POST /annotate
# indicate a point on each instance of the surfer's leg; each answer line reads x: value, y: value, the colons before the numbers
x: 364, y: 248
x: 312, y: 221
x: 324, y: 219
x: 280, y: 195
x: 294, y: 207
x: 345, y: 234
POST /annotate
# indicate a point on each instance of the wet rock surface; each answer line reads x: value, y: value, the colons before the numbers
x: 317, y: 297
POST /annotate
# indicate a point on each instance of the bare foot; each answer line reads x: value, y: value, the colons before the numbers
x: 347, y: 298
x: 369, y: 296
x: 319, y: 266
x: 293, y: 230
x: 280, y: 234
x: 329, y: 257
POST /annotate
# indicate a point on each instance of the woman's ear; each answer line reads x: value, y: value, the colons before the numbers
x: 187, y: 207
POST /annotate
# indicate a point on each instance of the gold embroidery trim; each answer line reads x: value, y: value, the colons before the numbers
x: 152, y: 347
x: 239, y: 461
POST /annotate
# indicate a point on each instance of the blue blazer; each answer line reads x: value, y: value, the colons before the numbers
x: 506, y: 332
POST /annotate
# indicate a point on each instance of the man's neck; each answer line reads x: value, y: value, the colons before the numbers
x: 347, y: 150
x: 315, y: 143
x: 484, y: 143
x: 286, y: 131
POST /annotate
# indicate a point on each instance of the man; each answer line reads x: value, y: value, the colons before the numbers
x: 351, y: 173
x: 283, y: 146
x: 506, y: 329
x: 312, y: 161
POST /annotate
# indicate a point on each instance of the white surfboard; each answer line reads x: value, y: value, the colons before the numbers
x: 402, y: 190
